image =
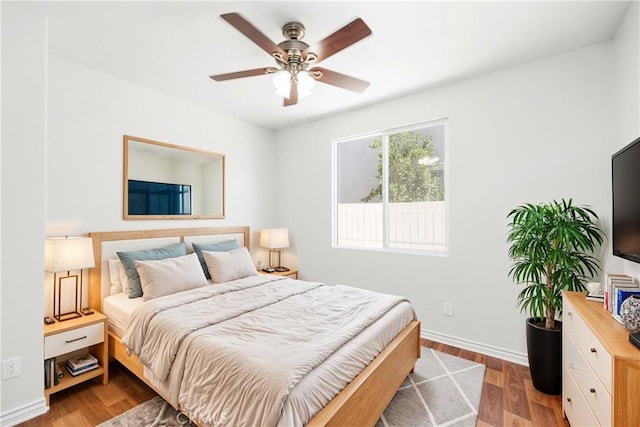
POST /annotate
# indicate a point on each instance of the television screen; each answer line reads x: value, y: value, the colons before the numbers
x: 159, y: 198
x: 625, y: 168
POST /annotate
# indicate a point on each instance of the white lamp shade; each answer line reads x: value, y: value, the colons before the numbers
x: 282, y: 82
x: 274, y: 238
x: 305, y: 84
x: 68, y: 253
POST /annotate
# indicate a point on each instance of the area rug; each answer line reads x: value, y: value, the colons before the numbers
x: 444, y: 390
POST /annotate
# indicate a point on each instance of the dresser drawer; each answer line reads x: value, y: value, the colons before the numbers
x: 65, y: 342
x: 596, y: 395
x: 574, y: 403
x: 589, y: 346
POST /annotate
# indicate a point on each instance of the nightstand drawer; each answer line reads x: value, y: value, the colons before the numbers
x: 65, y: 342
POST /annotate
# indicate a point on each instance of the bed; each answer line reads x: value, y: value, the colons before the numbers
x: 371, y: 385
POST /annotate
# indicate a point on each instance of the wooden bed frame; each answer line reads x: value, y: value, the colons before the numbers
x: 360, y: 403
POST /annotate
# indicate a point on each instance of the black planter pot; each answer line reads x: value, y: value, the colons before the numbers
x: 544, y: 348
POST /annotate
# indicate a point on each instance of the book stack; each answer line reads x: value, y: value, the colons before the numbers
x: 82, y: 364
x: 595, y: 297
x: 619, y: 287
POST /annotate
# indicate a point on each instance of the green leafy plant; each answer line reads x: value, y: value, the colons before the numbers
x: 415, y: 175
x: 551, y: 247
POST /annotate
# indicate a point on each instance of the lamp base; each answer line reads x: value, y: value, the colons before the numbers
x: 281, y: 268
x: 67, y: 316
x: 57, y: 296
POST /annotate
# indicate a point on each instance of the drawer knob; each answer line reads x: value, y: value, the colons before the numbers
x: 569, y: 313
x: 569, y: 399
x: 593, y: 350
x: 75, y: 339
x: 592, y: 390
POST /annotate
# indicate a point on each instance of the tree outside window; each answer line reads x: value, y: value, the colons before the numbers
x: 415, y: 172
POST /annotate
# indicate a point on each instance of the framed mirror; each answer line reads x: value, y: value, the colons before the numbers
x: 166, y: 181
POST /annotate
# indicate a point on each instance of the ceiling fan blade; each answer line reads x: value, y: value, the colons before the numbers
x: 240, y: 74
x: 341, y: 80
x: 293, y: 96
x: 341, y: 39
x: 246, y: 28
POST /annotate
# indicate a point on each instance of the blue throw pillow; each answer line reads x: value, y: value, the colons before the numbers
x: 128, y: 260
x: 227, y: 245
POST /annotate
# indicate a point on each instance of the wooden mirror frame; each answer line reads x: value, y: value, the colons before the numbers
x: 184, y: 151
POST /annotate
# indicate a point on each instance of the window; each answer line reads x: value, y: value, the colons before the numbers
x: 390, y: 190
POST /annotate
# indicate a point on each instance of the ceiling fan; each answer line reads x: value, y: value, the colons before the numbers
x: 293, y: 75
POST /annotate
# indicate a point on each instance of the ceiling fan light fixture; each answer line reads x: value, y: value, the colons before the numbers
x: 282, y: 82
x: 305, y: 84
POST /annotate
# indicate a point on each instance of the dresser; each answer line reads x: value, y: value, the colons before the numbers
x: 601, y: 369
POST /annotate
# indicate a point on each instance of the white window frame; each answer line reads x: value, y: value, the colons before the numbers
x: 385, y: 184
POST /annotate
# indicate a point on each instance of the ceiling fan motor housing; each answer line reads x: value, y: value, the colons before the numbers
x: 293, y: 30
x: 294, y: 46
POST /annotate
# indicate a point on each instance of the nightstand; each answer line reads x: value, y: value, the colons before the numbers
x: 293, y: 274
x: 86, y: 333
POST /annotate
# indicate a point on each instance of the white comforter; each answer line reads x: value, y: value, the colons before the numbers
x: 232, y: 353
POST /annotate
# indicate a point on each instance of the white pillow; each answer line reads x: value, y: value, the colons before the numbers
x: 114, y: 276
x: 117, y: 277
x: 229, y: 265
x: 170, y: 275
x: 124, y: 279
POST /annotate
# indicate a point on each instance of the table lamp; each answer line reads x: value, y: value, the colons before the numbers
x: 274, y: 239
x: 68, y: 254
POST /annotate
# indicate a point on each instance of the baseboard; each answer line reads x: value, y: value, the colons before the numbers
x: 23, y: 413
x: 489, y: 350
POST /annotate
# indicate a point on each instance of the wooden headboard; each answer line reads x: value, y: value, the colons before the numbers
x: 105, y: 245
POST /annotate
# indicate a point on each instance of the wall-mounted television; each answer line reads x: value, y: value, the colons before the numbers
x: 159, y: 198
x: 625, y: 168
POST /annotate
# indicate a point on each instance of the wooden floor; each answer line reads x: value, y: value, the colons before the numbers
x: 91, y: 403
x: 508, y: 397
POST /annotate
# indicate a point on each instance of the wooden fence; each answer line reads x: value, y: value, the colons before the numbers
x: 419, y: 225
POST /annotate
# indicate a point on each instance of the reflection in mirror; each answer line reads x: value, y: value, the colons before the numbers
x: 166, y: 181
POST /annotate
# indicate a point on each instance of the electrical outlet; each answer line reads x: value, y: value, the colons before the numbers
x: 448, y: 309
x: 10, y: 368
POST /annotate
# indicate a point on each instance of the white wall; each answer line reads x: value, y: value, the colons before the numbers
x: 527, y: 134
x: 24, y: 51
x: 626, y: 78
x: 626, y: 104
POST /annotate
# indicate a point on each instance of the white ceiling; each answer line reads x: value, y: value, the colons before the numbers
x: 173, y: 47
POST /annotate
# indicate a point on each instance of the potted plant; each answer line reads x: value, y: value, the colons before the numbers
x: 551, y: 249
